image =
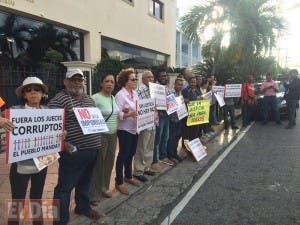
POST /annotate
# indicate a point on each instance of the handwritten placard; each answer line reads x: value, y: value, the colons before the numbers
x: 182, y: 110
x: 233, y: 90
x: 197, y: 149
x: 198, y: 112
x: 145, y: 114
x: 158, y: 92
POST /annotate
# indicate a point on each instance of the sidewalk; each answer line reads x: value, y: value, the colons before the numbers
x: 146, y: 203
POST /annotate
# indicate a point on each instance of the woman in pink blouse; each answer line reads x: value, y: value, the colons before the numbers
x: 127, y: 134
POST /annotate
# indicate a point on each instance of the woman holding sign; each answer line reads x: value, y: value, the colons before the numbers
x: 126, y: 99
x: 105, y: 101
x: 31, y: 91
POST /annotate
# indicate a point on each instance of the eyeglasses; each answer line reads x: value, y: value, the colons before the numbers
x: 29, y: 89
x: 134, y: 79
x: 74, y: 80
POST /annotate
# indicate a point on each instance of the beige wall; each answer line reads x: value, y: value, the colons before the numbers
x: 112, y: 18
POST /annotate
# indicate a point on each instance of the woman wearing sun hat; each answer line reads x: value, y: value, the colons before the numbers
x: 31, y: 91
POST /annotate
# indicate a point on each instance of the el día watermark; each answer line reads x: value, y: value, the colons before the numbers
x: 32, y: 209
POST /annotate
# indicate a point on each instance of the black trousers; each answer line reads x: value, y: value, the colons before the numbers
x: 19, y: 183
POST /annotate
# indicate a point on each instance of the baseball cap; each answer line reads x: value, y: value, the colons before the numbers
x: 72, y: 72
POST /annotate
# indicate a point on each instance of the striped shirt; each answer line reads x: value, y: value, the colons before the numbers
x: 75, y: 134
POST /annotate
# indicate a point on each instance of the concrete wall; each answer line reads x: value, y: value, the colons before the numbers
x: 117, y: 19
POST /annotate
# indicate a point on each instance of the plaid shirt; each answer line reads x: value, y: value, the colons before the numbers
x: 143, y: 92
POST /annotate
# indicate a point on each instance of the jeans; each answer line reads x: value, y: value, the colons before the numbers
x: 75, y: 171
x: 247, y: 114
x: 272, y: 102
x: 127, y: 149
x: 19, y: 183
x: 161, y: 139
x: 229, y: 109
x: 291, y: 107
x: 174, y: 136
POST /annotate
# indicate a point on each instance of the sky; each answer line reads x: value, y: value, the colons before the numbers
x: 288, y: 49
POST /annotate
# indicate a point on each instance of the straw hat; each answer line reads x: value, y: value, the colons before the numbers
x: 30, y: 81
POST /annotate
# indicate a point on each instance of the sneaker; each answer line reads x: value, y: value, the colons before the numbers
x: 122, y: 189
x: 167, y: 161
x: 141, y: 178
x: 155, y: 167
x: 132, y: 181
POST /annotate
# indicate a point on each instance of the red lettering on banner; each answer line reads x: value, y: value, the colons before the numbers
x: 84, y: 113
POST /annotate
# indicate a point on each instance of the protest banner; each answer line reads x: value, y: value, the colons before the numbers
x: 2, y: 102
x: 197, y: 149
x: 145, y: 114
x: 90, y: 120
x: 198, y: 112
x: 36, y: 133
x: 233, y: 90
x: 42, y: 162
x: 207, y: 96
x: 220, y: 99
x: 172, y: 105
x: 182, y: 110
x: 220, y: 90
x: 158, y: 92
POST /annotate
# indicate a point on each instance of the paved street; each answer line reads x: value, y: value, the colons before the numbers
x: 257, y: 183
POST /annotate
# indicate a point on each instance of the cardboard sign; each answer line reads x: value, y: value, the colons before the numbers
x: 182, y: 110
x: 197, y: 149
x: 42, y: 162
x: 145, y: 114
x: 172, y: 105
x: 233, y: 90
x: 37, y: 133
x: 90, y: 120
x: 208, y: 96
x: 220, y: 90
x: 198, y: 112
x: 158, y: 92
x: 220, y: 99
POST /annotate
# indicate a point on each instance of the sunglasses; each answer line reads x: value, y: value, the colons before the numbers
x: 30, y: 89
x: 134, y: 79
x: 74, y: 80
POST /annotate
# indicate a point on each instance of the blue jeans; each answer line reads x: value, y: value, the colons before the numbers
x: 270, y: 101
x: 161, y: 138
x: 75, y: 171
x: 174, y: 136
x: 127, y: 149
x: 247, y: 114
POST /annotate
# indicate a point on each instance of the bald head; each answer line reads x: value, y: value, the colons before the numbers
x: 147, y: 76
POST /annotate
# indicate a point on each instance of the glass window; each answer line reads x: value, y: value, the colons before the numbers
x: 156, y: 9
x: 132, y: 55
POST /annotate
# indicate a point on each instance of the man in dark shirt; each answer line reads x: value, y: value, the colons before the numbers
x: 75, y: 167
x: 292, y: 95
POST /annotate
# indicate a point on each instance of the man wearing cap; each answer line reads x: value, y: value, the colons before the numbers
x: 75, y: 167
x: 292, y: 95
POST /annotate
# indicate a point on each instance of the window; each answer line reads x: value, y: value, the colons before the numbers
x: 156, y: 9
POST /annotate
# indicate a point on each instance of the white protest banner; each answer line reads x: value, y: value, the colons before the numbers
x: 207, y: 96
x: 145, y: 114
x: 197, y: 149
x: 37, y: 133
x: 42, y: 162
x: 182, y: 111
x: 220, y: 90
x: 158, y: 92
x: 90, y: 120
x: 220, y: 99
x: 172, y: 105
x: 233, y: 90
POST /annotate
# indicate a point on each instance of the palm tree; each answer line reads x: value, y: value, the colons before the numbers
x: 251, y: 26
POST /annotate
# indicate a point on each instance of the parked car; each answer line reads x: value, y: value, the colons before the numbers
x: 280, y: 101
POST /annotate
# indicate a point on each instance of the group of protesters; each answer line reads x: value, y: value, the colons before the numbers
x: 87, y: 160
